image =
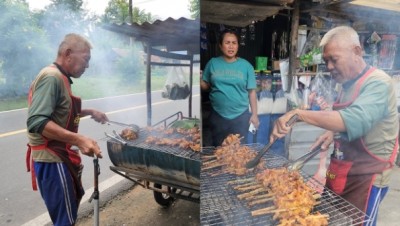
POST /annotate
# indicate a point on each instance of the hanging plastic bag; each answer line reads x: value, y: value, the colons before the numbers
x: 323, y: 92
x: 176, y: 86
x: 311, y: 52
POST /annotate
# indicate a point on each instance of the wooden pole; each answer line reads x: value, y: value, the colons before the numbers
x: 293, y: 42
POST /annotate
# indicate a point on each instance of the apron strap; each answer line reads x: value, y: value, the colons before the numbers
x: 30, y: 167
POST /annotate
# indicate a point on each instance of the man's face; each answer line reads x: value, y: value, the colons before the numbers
x: 79, y: 61
x: 340, y: 60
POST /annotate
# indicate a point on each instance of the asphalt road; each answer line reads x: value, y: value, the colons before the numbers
x: 20, y: 205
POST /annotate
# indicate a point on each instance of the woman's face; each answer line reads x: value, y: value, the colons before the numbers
x: 229, y: 46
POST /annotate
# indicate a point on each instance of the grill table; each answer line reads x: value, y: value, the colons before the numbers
x: 171, y: 172
x: 220, y: 206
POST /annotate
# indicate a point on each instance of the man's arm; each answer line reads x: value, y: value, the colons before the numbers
x: 329, y: 120
x: 96, y: 115
x: 86, y: 145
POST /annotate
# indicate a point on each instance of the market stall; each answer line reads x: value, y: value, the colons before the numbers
x: 164, y: 156
x: 287, y: 38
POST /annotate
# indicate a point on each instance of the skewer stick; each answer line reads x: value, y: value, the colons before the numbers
x: 259, y: 201
x: 314, y: 216
x: 208, y: 156
x: 260, y: 196
x: 239, y: 181
x: 269, y: 210
x: 259, y: 190
x: 208, y: 162
x: 214, y: 166
x: 316, y: 196
x: 245, y: 185
x: 262, y: 211
x: 218, y: 173
x: 250, y: 187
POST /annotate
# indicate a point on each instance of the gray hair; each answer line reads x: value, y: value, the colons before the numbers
x: 73, y: 41
x: 342, y: 33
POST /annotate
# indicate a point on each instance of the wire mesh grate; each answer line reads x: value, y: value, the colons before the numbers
x: 174, y: 150
x: 219, y: 204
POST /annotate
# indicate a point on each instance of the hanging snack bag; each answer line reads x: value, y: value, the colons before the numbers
x: 176, y: 87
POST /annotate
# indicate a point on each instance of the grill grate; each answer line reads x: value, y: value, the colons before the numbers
x: 177, y: 151
x: 219, y: 204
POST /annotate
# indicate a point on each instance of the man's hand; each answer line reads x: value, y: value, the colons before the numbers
x: 99, y: 116
x: 89, y: 147
x: 324, y: 140
x: 280, y: 126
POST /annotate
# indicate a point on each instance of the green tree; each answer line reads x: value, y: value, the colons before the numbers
x: 23, y: 50
x: 72, y: 5
x: 194, y: 8
x: 131, y: 66
x: 62, y: 17
x: 117, y: 11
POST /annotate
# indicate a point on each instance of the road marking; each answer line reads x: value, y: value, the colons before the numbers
x: 96, y: 99
x: 12, y: 133
x: 87, y: 117
x: 44, y: 218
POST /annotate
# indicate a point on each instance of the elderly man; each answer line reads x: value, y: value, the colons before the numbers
x: 363, y: 124
x: 53, y: 118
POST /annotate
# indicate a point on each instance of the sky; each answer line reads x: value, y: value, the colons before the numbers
x: 160, y: 8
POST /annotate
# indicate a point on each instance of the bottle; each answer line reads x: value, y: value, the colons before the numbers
x: 337, y: 153
x: 306, y: 94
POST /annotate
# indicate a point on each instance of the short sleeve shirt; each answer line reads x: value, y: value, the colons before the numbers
x: 230, y: 84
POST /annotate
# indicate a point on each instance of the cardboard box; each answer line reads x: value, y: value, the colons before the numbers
x: 275, y: 65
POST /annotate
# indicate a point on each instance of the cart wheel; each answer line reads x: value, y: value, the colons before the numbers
x: 163, y: 199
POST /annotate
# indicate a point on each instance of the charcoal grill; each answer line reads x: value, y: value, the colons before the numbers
x: 168, y: 171
x: 219, y: 204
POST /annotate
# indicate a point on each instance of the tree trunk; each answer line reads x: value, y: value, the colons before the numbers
x: 130, y: 12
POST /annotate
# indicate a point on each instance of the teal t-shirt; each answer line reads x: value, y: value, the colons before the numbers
x: 229, y: 83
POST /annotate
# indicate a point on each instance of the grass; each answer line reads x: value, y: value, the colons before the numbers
x: 91, y: 87
x: 12, y: 104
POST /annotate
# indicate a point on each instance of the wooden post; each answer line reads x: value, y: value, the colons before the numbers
x: 293, y: 42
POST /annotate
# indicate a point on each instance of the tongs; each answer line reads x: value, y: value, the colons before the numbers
x: 134, y: 127
x: 299, y: 163
x: 116, y: 137
x: 253, y: 163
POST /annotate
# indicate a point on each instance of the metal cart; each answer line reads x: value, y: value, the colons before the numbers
x: 171, y: 172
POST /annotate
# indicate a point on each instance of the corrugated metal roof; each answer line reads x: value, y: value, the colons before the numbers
x: 175, y: 34
x: 240, y: 13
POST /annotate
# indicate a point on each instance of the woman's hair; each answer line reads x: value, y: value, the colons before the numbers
x: 227, y: 31
x: 345, y: 34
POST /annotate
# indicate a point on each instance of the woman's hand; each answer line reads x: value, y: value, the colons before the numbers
x: 254, y: 120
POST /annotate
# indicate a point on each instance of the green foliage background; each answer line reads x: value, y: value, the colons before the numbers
x: 29, y: 41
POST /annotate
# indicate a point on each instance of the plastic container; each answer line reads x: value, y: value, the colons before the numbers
x: 261, y: 63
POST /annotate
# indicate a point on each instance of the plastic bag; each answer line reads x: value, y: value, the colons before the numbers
x: 323, y: 92
x: 311, y: 52
x: 176, y: 86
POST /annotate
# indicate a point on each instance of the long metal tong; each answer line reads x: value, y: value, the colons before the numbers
x: 253, y: 163
x: 134, y: 127
x: 299, y: 163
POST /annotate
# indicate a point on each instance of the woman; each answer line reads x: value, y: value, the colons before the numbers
x: 231, y: 82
